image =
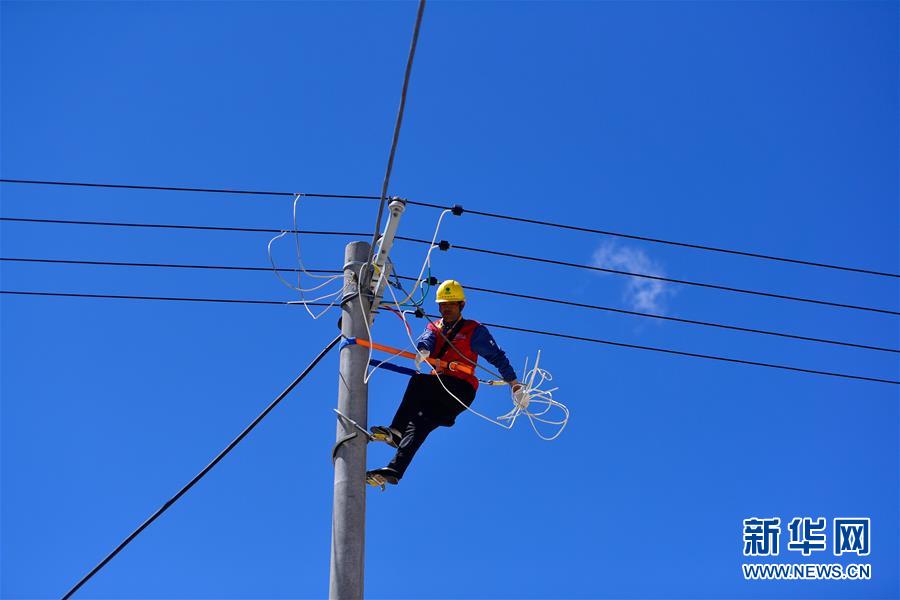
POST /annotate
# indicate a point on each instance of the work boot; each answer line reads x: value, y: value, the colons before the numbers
x: 388, y: 435
x: 381, y: 477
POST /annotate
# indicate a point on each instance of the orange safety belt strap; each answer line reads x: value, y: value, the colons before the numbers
x: 435, y: 362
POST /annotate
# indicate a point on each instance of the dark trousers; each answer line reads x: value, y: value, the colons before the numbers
x: 425, y: 407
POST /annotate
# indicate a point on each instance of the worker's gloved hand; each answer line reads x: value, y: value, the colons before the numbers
x: 520, y: 396
x: 421, y: 357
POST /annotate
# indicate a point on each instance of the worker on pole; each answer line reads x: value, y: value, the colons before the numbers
x: 435, y: 398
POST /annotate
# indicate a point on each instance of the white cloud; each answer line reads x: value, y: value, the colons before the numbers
x: 644, y: 295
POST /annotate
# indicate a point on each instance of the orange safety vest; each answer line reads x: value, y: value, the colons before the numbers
x: 461, y: 350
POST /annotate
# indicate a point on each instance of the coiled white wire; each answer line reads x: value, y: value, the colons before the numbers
x: 535, y: 395
x: 298, y: 288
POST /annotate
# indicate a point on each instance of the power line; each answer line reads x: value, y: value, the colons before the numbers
x: 186, y: 189
x: 469, y: 287
x: 107, y: 263
x: 188, y: 227
x: 680, y: 244
x: 682, y: 320
x: 691, y: 354
x: 460, y: 247
x: 467, y: 248
x: 166, y: 298
x: 713, y: 286
x: 610, y: 233
x: 206, y: 469
x: 399, y: 122
x: 510, y: 327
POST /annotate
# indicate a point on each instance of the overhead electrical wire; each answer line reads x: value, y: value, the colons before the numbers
x: 681, y: 320
x: 161, y: 265
x: 691, y: 354
x: 477, y: 250
x: 701, y: 284
x: 205, y: 470
x: 399, y: 122
x: 472, y: 288
x: 619, y: 234
x: 510, y: 327
x: 187, y: 227
x: 680, y: 244
x: 168, y: 298
x: 185, y: 189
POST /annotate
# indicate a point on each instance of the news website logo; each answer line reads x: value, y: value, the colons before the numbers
x: 807, y: 536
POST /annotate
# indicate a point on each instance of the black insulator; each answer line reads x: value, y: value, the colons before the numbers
x: 444, y: 245
x: 457, y: 209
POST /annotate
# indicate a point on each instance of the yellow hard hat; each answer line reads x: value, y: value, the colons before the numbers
x: 450, y: 291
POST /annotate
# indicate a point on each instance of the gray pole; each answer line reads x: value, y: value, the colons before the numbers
x: 348, y: 526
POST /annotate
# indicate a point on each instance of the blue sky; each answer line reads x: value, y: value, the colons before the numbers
x: 764, y: 126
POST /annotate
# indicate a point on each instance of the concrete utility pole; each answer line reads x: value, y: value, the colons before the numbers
x: 348, y: 528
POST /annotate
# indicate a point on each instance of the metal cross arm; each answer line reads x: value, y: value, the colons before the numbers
x: 380, y: 265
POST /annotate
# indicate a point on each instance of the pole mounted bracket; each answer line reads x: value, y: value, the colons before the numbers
x: 353, y: 263
x: 355, y: 267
